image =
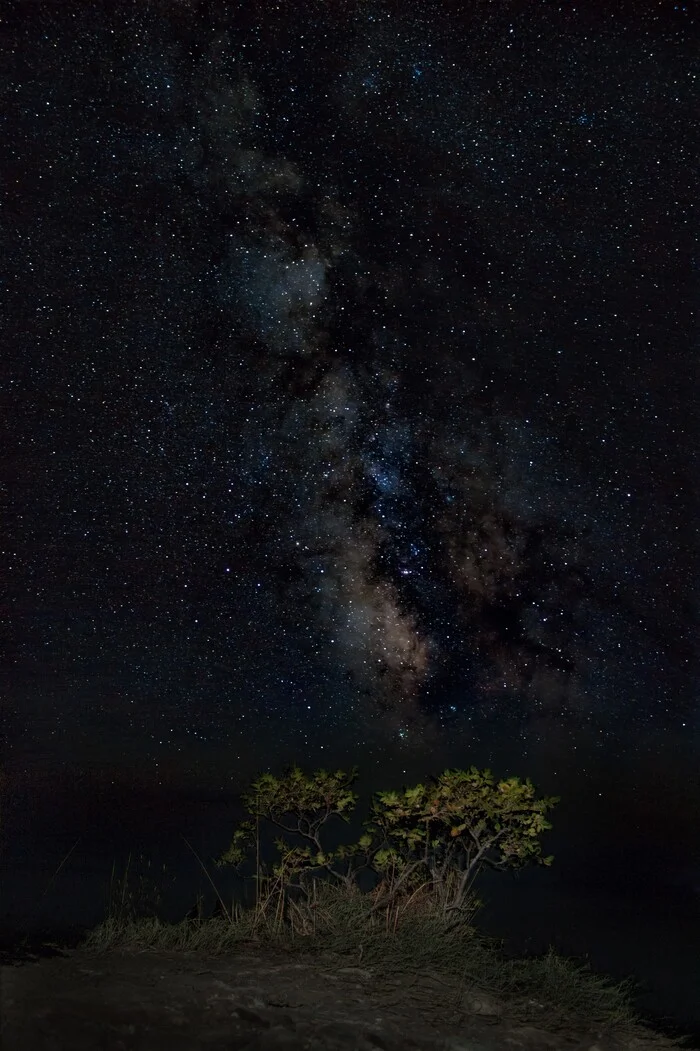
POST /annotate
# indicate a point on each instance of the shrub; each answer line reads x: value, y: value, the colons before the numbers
x: 433, y: 838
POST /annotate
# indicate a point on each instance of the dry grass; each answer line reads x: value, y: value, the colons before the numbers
x: 411, y: 937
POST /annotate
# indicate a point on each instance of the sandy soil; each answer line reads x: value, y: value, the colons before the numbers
x: 149, y: 1001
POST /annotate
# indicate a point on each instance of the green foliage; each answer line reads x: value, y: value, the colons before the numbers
x: 300, y: 804
x: 437, y: 835
x: 494, y: 823
x: 313, y: 797
x: 242, y: 839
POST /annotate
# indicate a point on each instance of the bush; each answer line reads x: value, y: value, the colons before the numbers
x: 426, y: 843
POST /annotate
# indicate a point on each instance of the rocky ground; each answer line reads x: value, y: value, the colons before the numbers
x: 81, y: 1001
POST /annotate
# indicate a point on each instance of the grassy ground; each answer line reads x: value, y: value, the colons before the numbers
x: 410, y: 937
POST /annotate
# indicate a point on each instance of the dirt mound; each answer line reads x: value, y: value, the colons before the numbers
x: 258, y: 1001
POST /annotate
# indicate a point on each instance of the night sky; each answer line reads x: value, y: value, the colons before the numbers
x: 349, y: 385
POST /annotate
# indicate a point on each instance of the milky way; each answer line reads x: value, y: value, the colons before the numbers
x: 343, y: 369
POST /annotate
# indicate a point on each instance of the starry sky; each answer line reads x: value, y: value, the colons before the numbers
x: 349, y: 382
